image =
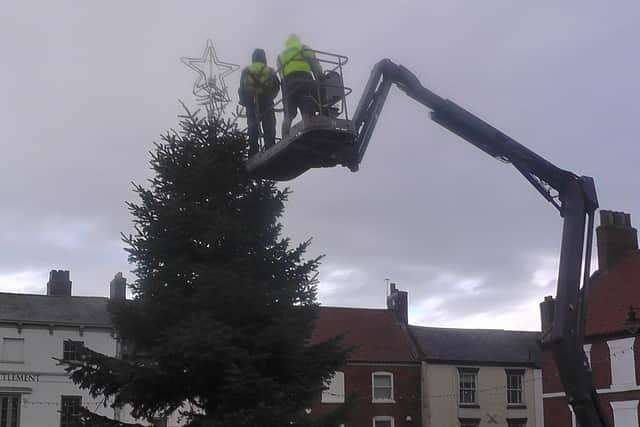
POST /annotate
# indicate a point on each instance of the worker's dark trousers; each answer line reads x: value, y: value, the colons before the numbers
x: 259, y: 113
x: 300, y: 92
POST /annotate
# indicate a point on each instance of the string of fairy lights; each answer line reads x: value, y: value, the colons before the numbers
x: 449, y: 395
x: 503, y: 388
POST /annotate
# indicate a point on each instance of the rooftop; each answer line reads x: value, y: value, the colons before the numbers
x: 476, y: 346
x: 73, y: 310
x: 375, y: 333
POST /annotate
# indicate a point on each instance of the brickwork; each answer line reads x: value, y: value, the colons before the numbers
x: 357, y: 380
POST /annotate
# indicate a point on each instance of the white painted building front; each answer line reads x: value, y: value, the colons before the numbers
x: 36, y: 331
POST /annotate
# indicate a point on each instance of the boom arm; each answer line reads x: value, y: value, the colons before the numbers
x: 575, y: 198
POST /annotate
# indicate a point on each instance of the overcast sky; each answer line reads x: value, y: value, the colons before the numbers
x: 87, y: 87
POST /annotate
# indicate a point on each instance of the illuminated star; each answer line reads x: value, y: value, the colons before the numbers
x: 211, y: 74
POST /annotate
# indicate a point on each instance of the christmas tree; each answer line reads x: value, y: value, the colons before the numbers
x: 223, y: 307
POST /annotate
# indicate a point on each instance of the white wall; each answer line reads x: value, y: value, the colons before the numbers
x: 625, y: 413
x: 440, y: 390
x: 41, y: 391
x: 623, y: 368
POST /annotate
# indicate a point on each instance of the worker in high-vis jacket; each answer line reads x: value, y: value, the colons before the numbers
x: 259, y: 85
x: 298, y: 66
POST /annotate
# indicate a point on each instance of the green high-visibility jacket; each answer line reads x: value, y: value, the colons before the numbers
x: 295, y: 58
x: 259, y: 79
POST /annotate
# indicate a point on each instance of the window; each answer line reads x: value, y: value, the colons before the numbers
x: 515, y: 379
x: 469, y: 422
x: 516, y: 422
x: 334, y: 393
x: 69, y: 410
x: 13, y: 350
x: 382, y: 386
x: 70, y: 349
x: 468, y: 385
x: 9, y: 410
x: 383, y: 422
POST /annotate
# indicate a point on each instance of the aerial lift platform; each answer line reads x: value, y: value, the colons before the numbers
x: 332, y: 139
x: 318, y: 142
x: 327, y: 139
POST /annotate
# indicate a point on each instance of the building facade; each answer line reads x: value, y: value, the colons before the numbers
x: 381, y: 381
x: 612, y: 325
x: 478, y: 378
x: 39, y: 331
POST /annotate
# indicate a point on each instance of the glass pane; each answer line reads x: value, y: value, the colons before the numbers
x: 382, y: 380
x: 3, y: 412
x: 467, y: 380
x: 70, y: 405
x: 381, y: 393
x: 15, y: 411
x: 467, y: 396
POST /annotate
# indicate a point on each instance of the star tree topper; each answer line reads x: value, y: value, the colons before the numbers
x: 210, y: 88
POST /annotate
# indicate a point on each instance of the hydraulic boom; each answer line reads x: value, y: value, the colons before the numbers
x: 574, y: 196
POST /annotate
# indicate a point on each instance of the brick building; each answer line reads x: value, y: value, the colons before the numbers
x: 610, y: 339
x: 382, y: 376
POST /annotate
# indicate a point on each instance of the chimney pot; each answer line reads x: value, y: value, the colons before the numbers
x: 59, y: 283
x: 616, y: 238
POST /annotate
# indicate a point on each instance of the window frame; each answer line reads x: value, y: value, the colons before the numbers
x: 373, y: 387
x: 4, y: 343
x: 515, y: 373
x: 383, y: 418
x: 72, y: 351
x: 461, y: 390
x: 469, y: 422
x: 75, y: 401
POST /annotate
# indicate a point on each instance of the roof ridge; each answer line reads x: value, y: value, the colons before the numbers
x: 52, y: 296
x: 354, y: 308
x: 444, y: 328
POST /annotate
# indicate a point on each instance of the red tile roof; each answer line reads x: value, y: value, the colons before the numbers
x: 611, y: 295
x: 376, y: 334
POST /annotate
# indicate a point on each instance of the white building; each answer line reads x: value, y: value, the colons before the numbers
x: 478, y: 378
x: 36, y: 330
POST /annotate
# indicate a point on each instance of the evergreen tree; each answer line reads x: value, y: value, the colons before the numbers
x: 223, y: 306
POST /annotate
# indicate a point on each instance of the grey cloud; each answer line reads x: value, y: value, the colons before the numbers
x: 88, y: 88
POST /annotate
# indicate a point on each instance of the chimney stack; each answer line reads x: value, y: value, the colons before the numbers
x: 616, y: 238
x: 398, y: 302
x: 118, y: 288
x: 59, y: 283
x: 547, y: 309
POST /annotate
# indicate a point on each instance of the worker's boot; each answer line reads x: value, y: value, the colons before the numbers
x: 286, y: 126
x: 253, y: 149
